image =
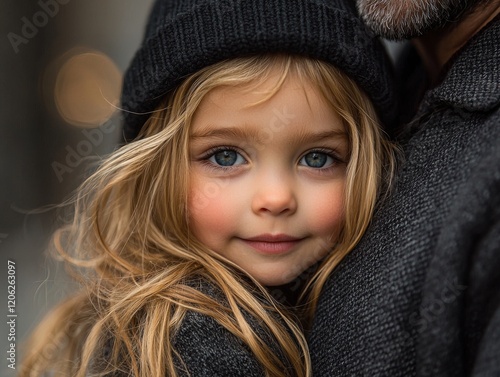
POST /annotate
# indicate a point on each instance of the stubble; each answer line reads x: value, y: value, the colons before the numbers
x: 406, y: 19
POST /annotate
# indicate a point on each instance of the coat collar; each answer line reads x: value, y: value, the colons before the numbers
x: 472, y: 81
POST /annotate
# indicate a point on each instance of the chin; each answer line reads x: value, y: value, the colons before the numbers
x: 276, y: 279
x: 400, y: 20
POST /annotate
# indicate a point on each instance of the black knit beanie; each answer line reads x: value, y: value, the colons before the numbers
x: 183, y: 36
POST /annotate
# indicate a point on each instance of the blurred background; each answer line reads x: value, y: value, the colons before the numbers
x: 61, y: 63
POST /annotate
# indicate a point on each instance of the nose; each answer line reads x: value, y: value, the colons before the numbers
x: 274, y: 195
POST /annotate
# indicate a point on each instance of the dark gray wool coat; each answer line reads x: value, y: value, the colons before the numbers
x: 420, y: 295
x: 210, y: 350
x: 207, y: 348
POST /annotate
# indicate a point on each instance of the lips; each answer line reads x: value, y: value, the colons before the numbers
x: 272, y: 244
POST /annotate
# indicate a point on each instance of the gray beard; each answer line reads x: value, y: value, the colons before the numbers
x: 406, y: 19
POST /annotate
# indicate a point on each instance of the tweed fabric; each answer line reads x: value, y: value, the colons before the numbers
x: 420, y: 295
x: 184, y: 36
x: 207, y: 349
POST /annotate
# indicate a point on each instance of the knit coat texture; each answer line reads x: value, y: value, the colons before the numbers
x: 420, y: 295
x: 210, y: 350
x: 207, y: 349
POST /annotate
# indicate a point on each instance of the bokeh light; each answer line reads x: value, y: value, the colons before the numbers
x: 87, y: 89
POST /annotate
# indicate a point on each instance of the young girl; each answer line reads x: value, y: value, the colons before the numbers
x: 260, y: 157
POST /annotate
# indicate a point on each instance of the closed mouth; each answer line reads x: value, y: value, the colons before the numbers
x: 272, y: 244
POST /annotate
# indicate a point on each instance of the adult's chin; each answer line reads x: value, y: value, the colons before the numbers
x: 400, y: 20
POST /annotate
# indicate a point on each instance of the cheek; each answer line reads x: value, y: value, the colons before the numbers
x: 326, y: 210
x: 210, y: 210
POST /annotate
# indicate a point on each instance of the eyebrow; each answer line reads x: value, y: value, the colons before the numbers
x: 223, y: 133
x: 239, y: 133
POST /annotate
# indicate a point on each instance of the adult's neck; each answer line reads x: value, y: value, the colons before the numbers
x: 438, y: 46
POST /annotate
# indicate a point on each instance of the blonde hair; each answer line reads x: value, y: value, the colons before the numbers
x: 140, y: 269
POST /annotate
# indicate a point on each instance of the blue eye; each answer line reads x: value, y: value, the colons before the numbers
x: 226, y: 157
x: 316, y: 160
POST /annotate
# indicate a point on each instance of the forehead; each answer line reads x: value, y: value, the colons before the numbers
x: 267, y: 104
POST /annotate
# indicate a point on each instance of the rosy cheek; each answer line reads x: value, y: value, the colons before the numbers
x: 210, y: 215
x: 330, y: 219
x: 327, y: 212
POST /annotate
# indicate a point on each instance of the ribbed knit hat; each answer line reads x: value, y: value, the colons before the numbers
x: 183, y: 36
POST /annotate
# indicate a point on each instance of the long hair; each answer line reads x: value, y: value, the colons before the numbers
x: 130, y: 248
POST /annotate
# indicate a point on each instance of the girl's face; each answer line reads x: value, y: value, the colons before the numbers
x: 267, y: 179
